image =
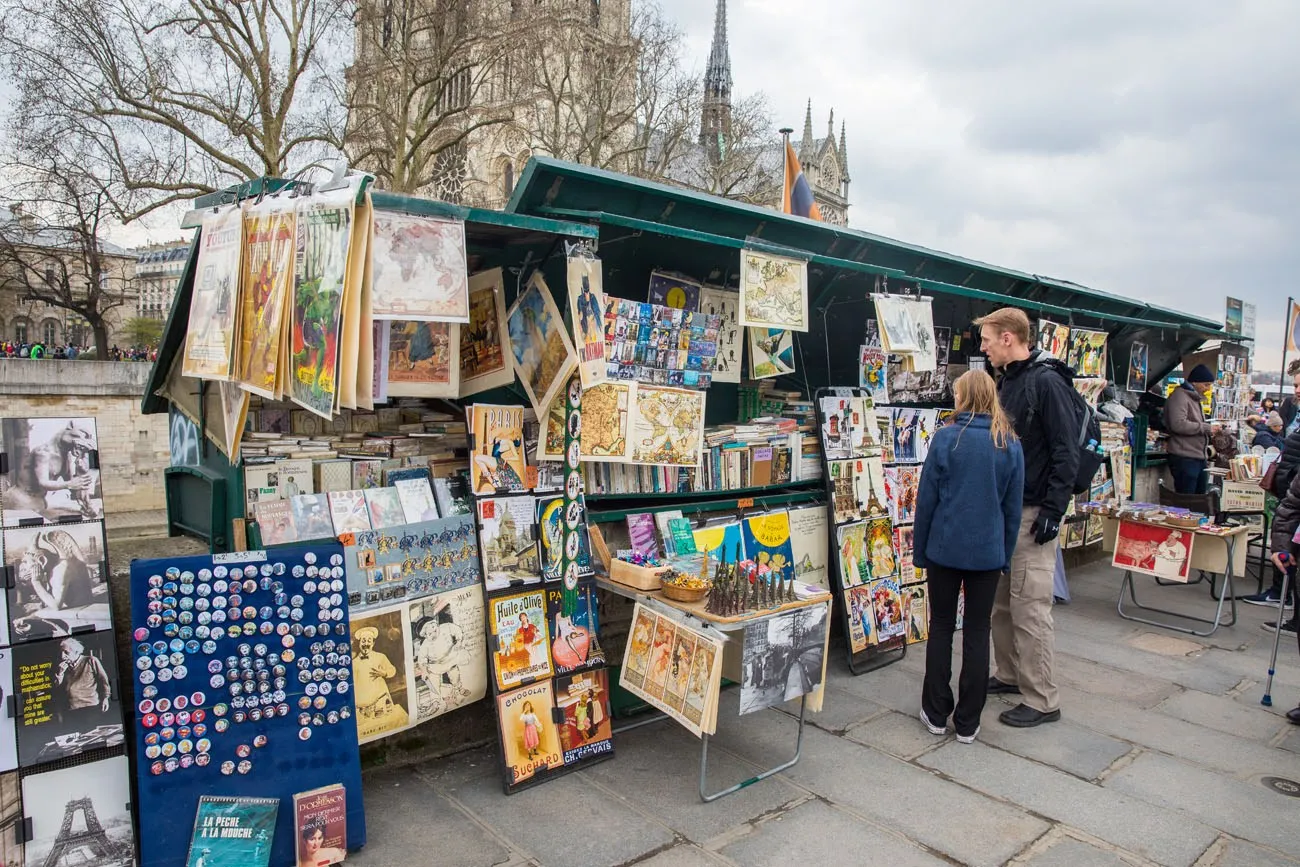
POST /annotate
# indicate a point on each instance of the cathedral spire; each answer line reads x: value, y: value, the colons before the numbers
x: 806, y: 146
x: 844, y: 154
x: 715, y: 124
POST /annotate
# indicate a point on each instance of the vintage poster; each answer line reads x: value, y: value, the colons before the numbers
x: 927, y: 421
x: 423, y: 359
x: 771, y: 352
x: 497, y: 448
x: 484, y: 359
x: 873, y: 373
x: 59, y: 806
x: 636, y: 653
x: 65, y: 702
x: 667, y: 426
x: 844, y: 492
x: 575, y: 641
x: 1137, y: 367
x: 674, y: 290
x: 587, y: 308
x: 722, y: 542
x: 1054, y: 338
x: 907, y: 435
x: 506, y: 535
x: 854, y: 561
x: 880, y: 548
x: 551, y: 536
x: 656, y: 667
x: 808, y: 542
x: 583, y: 699
x: 210, y: 338
x: 903, y: 548
x: 861, y: 617
x: 725, y: 304
x: 520, y: 638
x: 528, y: 731
x: 58, y: 581
x: 418, y: 268
x: 53, y: 471
x: 767, y: 540
x: 885, y: 433
x: 448, y: 654
x: 379, y: 675
x: 1164, y: 552
x: 773, y: 291
x: 915, y: 611
x: 1087, y: 354
x: 887, y: 607
x: 901, y: 487
x: 350, y: 321
x: 269, y: 245
x: 320, y: 271
x: 836, y: 422
x: 543, y: 354
x: 783, y: 658
x: 869, y: 487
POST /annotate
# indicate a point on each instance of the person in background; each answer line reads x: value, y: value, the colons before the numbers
x: 1286, y: 518
x: 1189, y: 432
x: 1269, y: 434
x: 966, y: 529
x: 1266, y: 406
x: 1287, y: 464
x: 1037, y: 392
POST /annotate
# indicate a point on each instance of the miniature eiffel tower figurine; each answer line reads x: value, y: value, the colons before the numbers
x: 789, y: 588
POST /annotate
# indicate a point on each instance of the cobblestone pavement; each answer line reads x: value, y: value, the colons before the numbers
x: 1158, y: 759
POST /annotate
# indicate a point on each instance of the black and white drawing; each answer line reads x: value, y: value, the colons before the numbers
x: 80, y: 815
x: 448, y: 652
x: 783, y: 658
x: 58, y: 581
x: 67, y: 699
x: 53, y: 470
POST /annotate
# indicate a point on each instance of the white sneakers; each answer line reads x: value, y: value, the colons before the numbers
x: 940, y: 731
x: 968, y: 739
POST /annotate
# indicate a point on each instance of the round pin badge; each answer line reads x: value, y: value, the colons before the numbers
x: 571, y: 577
x: 575, y: 393
x: 573, y: 484
x: 571, y: 457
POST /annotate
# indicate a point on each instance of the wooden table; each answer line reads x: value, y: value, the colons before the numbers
x: 694, y: 615
x: 1224, y: 556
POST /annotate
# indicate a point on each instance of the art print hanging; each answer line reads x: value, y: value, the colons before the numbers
x: 484, y: 355
x: 725, y: 304
x: 497, y: 460
x: 448, y: 654
x: 1087, y: 354
x: 53, y: 471
x: 771, y: 352
x: 270, y: 239
x: 873, y: 373
x: 667, y: 426
x: 587, y: 309
x: 1137, y: 367
x: 324, y: 226
x: 418, y: 268
x: 521, y: 643
x: 721, y: 542
x: 543, y: 354
x: 422, y: 359
x: 674, y: 290
x: 773, y: 291
x: 1054, y: 338
x: 210, y: 339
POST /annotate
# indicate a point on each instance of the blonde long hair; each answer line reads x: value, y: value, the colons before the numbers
x: 975, y: 392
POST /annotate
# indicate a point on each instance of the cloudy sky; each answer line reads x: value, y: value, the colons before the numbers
x: 1150, y: 149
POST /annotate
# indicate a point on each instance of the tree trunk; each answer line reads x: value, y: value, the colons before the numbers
x: 100, y: 330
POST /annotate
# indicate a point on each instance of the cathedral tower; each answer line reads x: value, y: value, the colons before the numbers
x: 715, y: 123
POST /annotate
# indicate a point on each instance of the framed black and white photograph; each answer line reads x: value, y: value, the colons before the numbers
x: 51, y: 471
x: 11, y: 819
x: 58, y: 581
x: 67, y: 697
x: 8, y: 739
x: 783, y: 658
x: 81, y: 815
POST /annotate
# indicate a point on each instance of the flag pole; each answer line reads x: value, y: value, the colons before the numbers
x: 1286, y: 342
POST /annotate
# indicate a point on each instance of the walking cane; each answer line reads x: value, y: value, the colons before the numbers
x: 1287, y: 574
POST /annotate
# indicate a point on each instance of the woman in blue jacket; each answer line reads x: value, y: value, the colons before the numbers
x: 967, y: 518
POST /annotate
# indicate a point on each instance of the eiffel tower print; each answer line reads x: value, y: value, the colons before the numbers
x: 86, y: 848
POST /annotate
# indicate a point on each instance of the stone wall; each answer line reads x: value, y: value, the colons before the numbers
x: 133, y: 448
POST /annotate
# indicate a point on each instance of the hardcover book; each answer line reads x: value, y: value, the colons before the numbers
x: 321, y: 820
x: 348, y: 511
x: 416, y: 500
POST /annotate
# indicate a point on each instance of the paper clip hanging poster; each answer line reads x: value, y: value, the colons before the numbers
x: 773, y: 291
x: 321, y: 264
x: 269, y: 242
x: 210, y: 341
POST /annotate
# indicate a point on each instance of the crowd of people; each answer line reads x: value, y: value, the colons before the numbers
x: 70, y: 351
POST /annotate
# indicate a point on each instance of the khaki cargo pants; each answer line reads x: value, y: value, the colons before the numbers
x: 1023, y: 640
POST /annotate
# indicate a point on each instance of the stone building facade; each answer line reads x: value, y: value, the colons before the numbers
x: 158, y: 269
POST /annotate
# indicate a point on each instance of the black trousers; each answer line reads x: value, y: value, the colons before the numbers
x: 1188, y: 474
x: 972, y: 685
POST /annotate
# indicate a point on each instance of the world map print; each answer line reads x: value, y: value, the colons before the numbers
x: 773, y: 291
x: 667, y: 426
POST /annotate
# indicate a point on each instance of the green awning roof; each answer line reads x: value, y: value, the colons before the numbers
x: 552, y: 188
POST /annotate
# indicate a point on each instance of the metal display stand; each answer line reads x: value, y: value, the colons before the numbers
x: 666, y: 608
x: 876, y: 656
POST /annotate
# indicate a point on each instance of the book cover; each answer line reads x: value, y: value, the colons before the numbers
x: 366, y: 473
x: 873, y: 373
x: 528, y: 732
x: 311, y: 516
x: 385, y: 508
x: 415, y: 499
x: 261, y: 484
x: 808, y: 542
x: 683, y: 537
x: 584, y: 701
x: 275, y: 521
x: 333, y: 475
x: 575, y: 641
x: 393, y: 476
x: 880, y: 548
x: 552, y: 535
x: 887, y: 608
x: 321, y: 820
x: 453, y: 495
x: 233, y: 831
x: 721, y: 542
x: 348, y: 511
x: 661, y: 523
x: 767, y: 540
x: 508, y: 541
x: 522, y: 643
x: 641, y: 532
x: 497, y: 458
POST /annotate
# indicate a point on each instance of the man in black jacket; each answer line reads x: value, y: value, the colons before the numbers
x: 1286, y: 518
x: 1287, y: 464
x: 1037, y: 391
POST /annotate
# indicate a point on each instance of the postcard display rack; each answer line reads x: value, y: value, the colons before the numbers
x: 548, y: 670
x: 61, y: 741
x: 243, y: 690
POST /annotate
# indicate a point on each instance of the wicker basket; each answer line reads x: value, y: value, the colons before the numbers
x: 684, y: 594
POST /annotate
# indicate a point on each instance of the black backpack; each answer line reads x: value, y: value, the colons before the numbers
x: 1090, y: 457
